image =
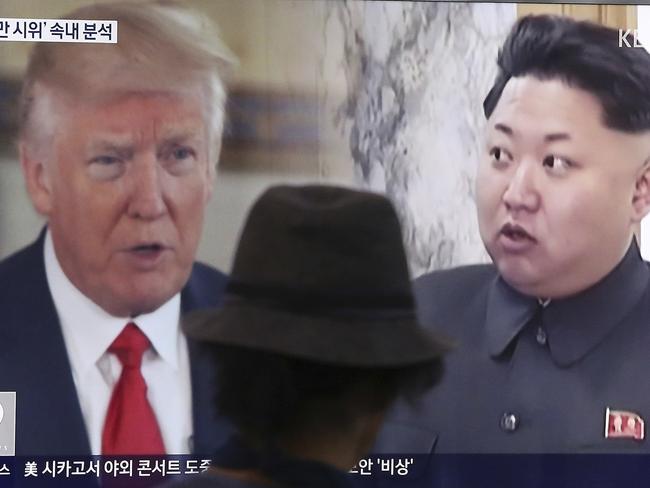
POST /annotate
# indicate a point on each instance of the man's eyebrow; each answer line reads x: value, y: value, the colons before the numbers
x: 180, y: 133
x: 553, y: 137
x: 557, y: 136
x: 503, y: 128
x: 119, y: 146
x: 180, y: 137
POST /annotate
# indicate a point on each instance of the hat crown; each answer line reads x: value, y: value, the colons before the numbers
x: 320, y: 274
x: 331, y: 244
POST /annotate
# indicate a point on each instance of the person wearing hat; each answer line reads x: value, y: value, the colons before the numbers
x: 317, y: 336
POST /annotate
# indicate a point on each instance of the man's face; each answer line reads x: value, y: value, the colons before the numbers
x: 558, y: 192
x: 124, y: 194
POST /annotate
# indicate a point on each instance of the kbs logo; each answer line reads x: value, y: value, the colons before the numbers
x: 7, y: 423
x: 629, y: 38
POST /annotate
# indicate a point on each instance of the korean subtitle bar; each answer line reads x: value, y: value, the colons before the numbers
x: 56, y: 30
x: 114, y: 468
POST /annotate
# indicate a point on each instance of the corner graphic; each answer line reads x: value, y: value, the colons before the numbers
x: 7, y: 423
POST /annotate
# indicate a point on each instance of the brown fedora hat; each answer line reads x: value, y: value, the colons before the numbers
x: 320, y: 274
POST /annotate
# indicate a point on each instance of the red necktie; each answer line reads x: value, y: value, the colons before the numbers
x: 131, y: 426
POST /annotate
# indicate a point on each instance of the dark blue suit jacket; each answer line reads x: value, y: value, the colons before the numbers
x: 34, y: 362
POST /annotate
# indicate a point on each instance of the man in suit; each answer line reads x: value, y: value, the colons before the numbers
x: 553, y: 336
x: 118, y: 147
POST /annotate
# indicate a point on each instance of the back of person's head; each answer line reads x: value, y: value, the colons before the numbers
x: 318, y: 333
x: 162, y: 47
x: 585, y: 55
x: 273, y: 398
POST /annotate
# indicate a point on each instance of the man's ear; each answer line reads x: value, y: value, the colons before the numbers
x: 37, y: 179
x: 213, y: 161
x: 211, y: 179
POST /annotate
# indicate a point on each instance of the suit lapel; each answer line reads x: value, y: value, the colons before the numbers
x: 48, y: 415
x: 210, y: 431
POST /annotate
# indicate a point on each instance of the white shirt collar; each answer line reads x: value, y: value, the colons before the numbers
x: 89, y: 330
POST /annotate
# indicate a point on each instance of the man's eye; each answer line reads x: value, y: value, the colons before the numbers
x: 178, y: 159
x: 556, y: 164
x: 181, y: 153
x: 105, y: 160
x: 104, y: 167
x: 500, y: 156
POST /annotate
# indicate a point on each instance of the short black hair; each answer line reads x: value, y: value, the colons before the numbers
x: 270, y: 397
x: 585, y: 55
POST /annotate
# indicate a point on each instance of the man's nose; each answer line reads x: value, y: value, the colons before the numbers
x: 147, y: 198
x: 522, y: 192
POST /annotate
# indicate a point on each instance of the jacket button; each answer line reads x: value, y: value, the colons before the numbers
x: 540, y: 337
x: 509, y: 422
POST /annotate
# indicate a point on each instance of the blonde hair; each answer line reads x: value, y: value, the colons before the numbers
x: 162, y: 47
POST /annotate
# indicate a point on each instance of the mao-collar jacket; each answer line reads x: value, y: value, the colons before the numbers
x: 529, y: 378
x: 34, y: 362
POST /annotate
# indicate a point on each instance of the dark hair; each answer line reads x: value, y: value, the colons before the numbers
x: 270, y: 396
x: 584, y: 55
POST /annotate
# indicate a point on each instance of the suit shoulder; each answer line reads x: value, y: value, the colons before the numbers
x: 448, y: 296
x: 24, y: 266
x: 17, y: 260
x: 462, y: 278
x: 208, y: 274
x: 205, y: 286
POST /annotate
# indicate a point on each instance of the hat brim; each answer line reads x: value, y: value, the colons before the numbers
x: 345, y: 341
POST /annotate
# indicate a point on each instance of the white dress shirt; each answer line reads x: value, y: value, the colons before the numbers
x: 88, y: 331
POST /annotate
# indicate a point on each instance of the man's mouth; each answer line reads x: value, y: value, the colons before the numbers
x: 147, y: 256
x: 516, y: 233
x: 147, y: 248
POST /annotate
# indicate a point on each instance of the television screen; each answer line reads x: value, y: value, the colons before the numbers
x: 514, y: 153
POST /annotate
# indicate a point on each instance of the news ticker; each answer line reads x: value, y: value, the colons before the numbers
x: 425, y: 470
x: 45, y: 471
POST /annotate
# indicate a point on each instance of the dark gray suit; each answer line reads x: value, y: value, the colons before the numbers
x: 528, y: 378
